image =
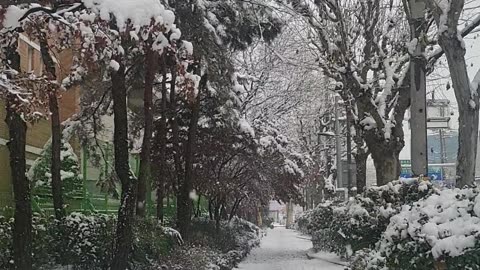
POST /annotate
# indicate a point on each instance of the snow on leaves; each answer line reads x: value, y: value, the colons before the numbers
x: 258, y: 18
x: 26, y: 93
x: 116, y: 32
x: 442, y: 227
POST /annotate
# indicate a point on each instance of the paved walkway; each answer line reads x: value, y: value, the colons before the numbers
x: 284, y: 249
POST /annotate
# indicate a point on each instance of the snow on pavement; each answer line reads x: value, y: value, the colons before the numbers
x: 284, y: 249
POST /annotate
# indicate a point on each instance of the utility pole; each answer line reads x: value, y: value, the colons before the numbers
x: 418, y: 107
x: 442, y: 145
x: 442, y: 153
x: 338, y: 144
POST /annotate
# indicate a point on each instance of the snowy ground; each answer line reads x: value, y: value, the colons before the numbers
x: 284, y: 249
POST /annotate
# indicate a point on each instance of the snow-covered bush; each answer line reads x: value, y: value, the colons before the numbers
x: 79, y: 240
x: 5, y: 242
x: 82, y: 240
x: 41, y: 178
x: 357, y: 224
x: 232, y: 240
x: 230, y: 235
x: 302, y: 221
x: 151, y: 240
x: 316, y: 219
x: 85, y: 242
x: 443, y: 228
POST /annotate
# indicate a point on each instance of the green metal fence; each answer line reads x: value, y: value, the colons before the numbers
x: 90, y: 199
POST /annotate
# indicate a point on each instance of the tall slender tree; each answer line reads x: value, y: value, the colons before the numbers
x: 151, y: 59
x: 22, y: 227
x: 447, y: 15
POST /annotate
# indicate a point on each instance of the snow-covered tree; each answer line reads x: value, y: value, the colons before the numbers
x: 25, y: 97
x: 113, y: 36
x: 41, y: 177
x: 359, y: 46
x: 447, y: 15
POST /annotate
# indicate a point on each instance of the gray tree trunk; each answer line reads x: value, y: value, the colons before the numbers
x: 468, y: 106
x: 468, y: 101
x: 387, y: 166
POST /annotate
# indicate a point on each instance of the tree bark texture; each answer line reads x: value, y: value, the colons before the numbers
x: 56, y: 129
x: 124, y: 232
x: 377, y: 144
x: 361, y: 171
x: 468, y: 100
x: 387, y: 166
x: 145, y: 154
x: 162, y: 134
x: 179, y: 171
x: 184, y: 208
x: 22, y: 226
x: 468, y: 105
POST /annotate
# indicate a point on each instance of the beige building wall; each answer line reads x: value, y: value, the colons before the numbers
x: 37, y: 133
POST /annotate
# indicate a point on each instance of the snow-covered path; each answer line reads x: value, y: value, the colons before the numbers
x: 284, y: 249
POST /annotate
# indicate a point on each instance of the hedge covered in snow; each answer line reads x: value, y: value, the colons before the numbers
x: 402, y: 225
x: 83, y: 242
x: 344, y: 228
x: 87, y: 241
x: 442, y: 230
x: 228, y: 244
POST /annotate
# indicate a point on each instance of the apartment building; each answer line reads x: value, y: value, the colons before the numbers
x: 37, y: 133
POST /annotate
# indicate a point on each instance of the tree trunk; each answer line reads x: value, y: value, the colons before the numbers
x: 210, y: 209
x: 361, y: 171
x: 145, y: 155
x: 234, y: 208
x: 217, y: 215
x: 198, y: 211
x: 387, y: 166
x: 468, y: 108
x: 259, y: 217
x: 56, y: 161
x: 162, y: 133
x: 22, y: 226
x: 467, y: 99
x: 124, y: 232
x: 174, y: 125
x: 361, y: 157
x: 184, y: 208
x: 56, y: 129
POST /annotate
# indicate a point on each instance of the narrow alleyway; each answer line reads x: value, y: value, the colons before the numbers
x: 284, y: 249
